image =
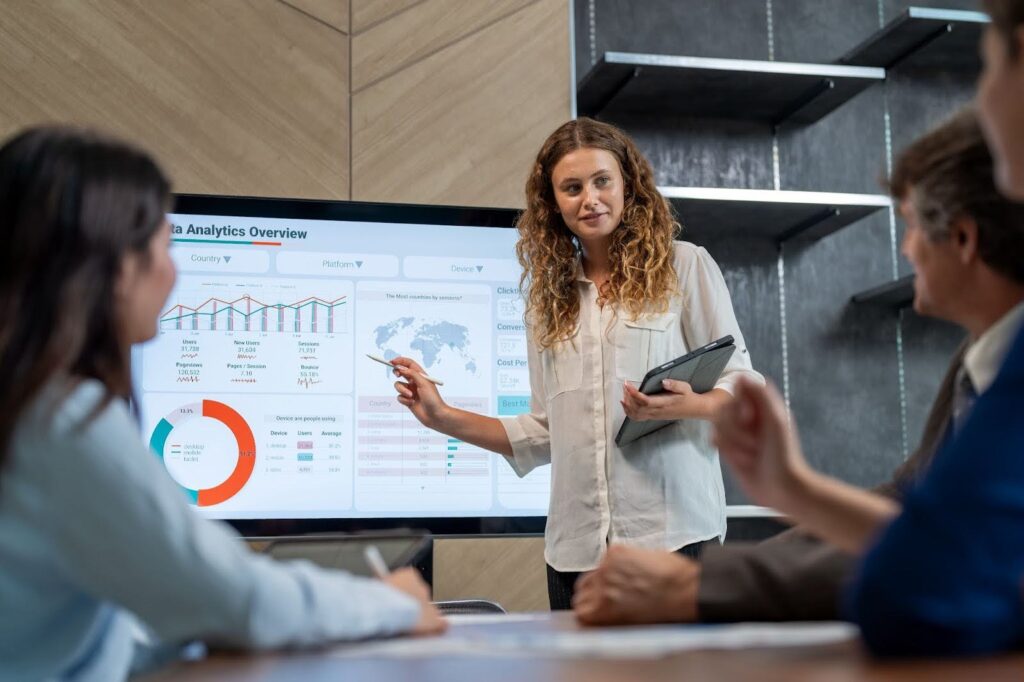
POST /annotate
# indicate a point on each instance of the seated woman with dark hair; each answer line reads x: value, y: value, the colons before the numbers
x: 93, y: 532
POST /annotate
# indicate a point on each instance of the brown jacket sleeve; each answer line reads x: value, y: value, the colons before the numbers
x: 794, y: 575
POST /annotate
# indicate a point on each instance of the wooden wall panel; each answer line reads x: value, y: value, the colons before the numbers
x: 366, y: 13
x: 253, y: 97
x: 410, y: 36
x: 462, y: 125
x: 333, y: 12
x: 234, y: 96
x: 510, y: 571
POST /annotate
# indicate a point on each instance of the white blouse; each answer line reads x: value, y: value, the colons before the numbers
x: 662, y: 491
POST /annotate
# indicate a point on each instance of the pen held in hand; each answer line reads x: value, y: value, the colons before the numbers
x: 376, y: 562
x: 392, y: 365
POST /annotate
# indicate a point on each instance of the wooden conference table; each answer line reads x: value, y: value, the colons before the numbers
x: 837, y: 662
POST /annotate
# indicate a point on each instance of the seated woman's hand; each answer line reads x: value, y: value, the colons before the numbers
x: 753, y: 434
x: 407, y: 580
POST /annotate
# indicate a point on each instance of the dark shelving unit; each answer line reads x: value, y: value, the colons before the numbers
x: 896, y: 294
x: 778, y: 93
x: 778, y: 215
x: 924, y: 37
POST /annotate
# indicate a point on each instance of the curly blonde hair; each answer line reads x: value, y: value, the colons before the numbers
x: 642, y: 277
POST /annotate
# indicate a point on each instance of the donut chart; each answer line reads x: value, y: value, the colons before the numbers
x: 239, y: 428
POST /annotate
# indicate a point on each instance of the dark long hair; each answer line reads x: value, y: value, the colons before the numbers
x: 73, y: 204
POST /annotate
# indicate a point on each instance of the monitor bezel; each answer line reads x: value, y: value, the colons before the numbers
x: 362, y: 211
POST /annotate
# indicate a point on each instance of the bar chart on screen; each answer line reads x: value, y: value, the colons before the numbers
x: 251, y: 334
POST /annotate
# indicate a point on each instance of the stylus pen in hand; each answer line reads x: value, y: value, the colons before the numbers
x: 376, y: 561
x: 382, y: 361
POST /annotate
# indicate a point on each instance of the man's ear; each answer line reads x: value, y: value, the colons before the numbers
x: 963, y: 234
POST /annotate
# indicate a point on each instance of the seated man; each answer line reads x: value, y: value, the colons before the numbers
x: 942, y: 573
x: 945, y: 185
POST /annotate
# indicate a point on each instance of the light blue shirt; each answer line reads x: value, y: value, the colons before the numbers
x: 94, y: 533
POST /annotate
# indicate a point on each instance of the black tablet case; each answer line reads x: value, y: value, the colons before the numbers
x: 701, y: 369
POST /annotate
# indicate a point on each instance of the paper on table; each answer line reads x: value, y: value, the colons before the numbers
x: 488, y: 618
x: 633, y: 642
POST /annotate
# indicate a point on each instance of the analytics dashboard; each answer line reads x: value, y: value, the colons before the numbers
x: 257, y: 394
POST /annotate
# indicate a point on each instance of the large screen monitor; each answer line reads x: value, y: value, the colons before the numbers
x: 257, y: 393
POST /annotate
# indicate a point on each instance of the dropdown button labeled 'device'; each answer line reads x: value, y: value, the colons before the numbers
x: 466, y: 269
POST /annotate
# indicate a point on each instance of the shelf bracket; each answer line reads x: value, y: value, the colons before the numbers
x: 921, y: 44
x: 614, y: 91
x: 808, y: 223
x: 897, y: 294
x: 820, y: 88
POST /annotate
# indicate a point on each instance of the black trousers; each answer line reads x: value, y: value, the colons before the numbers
x: 562, y: 583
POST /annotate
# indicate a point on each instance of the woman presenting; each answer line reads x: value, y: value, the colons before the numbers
x: 609, y: 294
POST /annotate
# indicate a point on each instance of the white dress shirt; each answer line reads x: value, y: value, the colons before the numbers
x: 662, y: 491
x: 985, y: 355
x: 93, y: 533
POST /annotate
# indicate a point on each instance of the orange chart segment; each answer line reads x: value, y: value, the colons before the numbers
x: 246, y: 453
x: 239, y: 428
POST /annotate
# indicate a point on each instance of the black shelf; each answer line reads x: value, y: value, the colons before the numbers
x: 896, y: 294
x: 624, y: 83
x: 924, y: 37
x: 778, y: 215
